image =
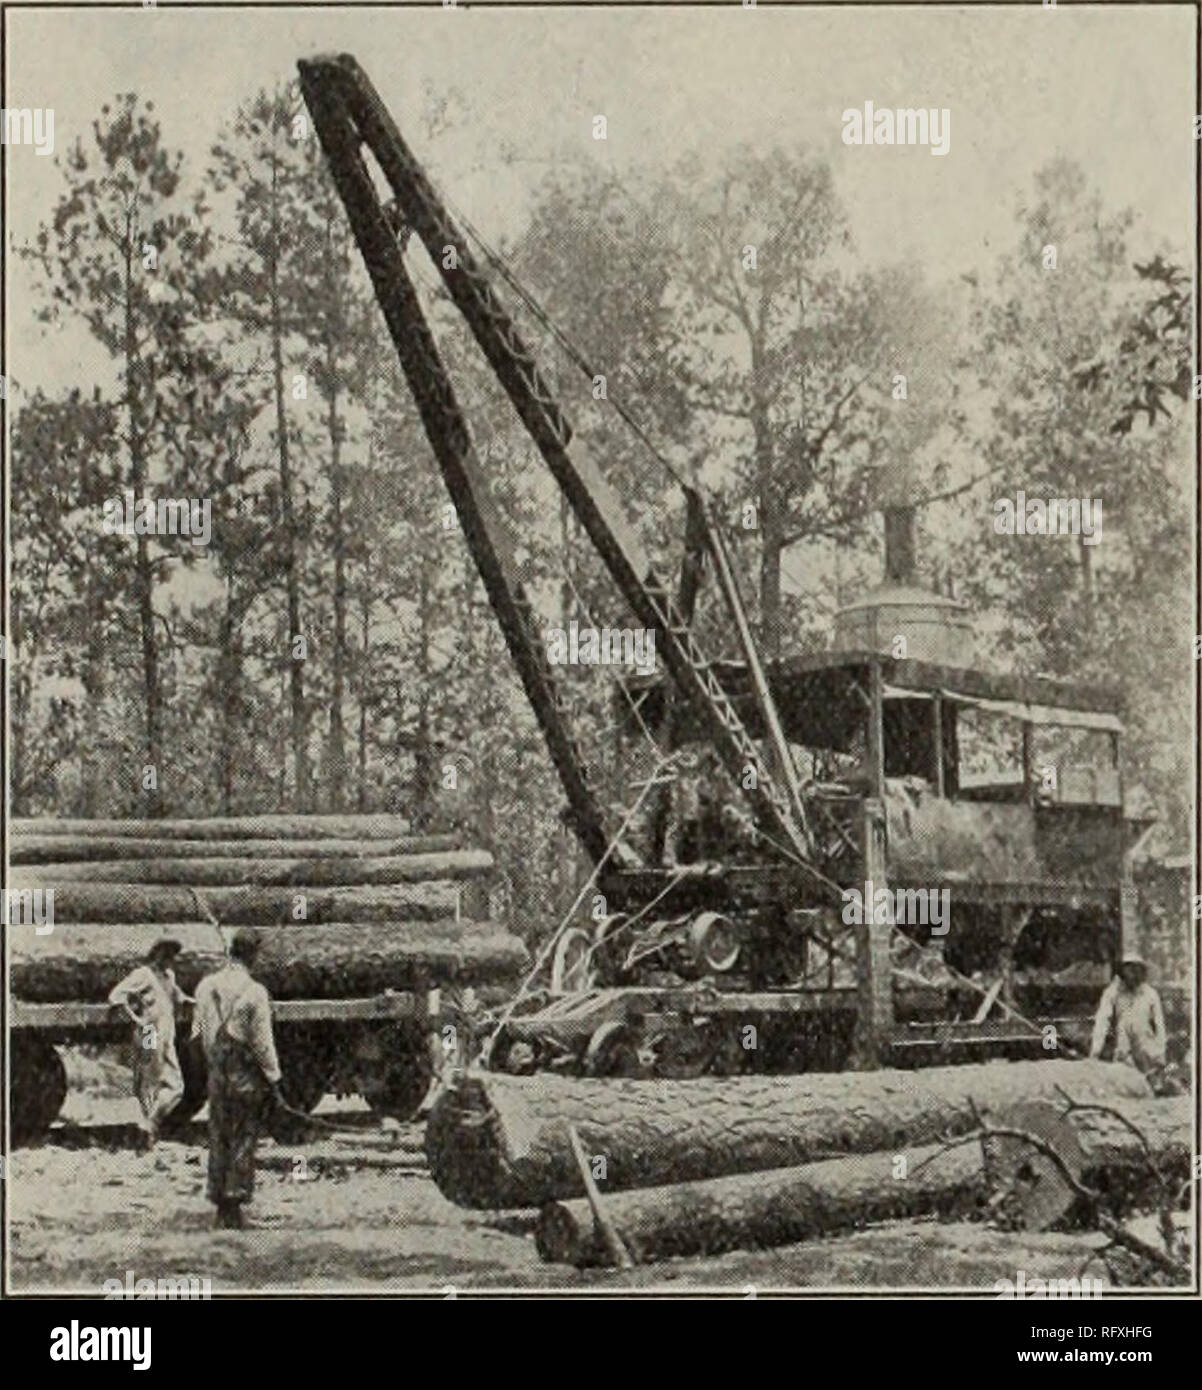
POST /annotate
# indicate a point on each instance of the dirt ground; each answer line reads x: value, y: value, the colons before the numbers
x: 359, y: 1213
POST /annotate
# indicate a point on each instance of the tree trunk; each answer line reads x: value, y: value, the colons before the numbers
x: 143, y: 571
x: 336, y: 760
x: 423, y: 754
x: 500, y: 1141
x: 771, y: 523
x: 1087, y: 596
x: 364, y: 679
x: 268, y: 873
x: 753, y: 1211
x: 296, y: 677
x: 230, y: 679
x: 91, y: 773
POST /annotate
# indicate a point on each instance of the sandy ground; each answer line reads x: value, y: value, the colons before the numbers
x: 359, y: 1213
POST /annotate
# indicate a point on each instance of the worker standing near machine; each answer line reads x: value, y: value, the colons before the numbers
x: 149, y: 996
x: 1130, y: 1009
x: 233, y: 1023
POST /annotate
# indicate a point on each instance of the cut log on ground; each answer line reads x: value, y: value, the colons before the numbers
x: 82, y: 963
x: 499, y: 1141
x: 136, y: 902
x: 278, y: 873
x: 341, y: 960
x: 752, y: 1211
x: 365, y: 827
x: 1101, y: 1151
x: 61, y: 849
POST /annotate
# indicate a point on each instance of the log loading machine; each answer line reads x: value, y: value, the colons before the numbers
x: 860, y: 770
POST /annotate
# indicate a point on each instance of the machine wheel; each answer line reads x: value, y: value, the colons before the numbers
x: 517, y: 1056
x: 571, y: 964
x: 397, y: 1084
x: 39, y: 1087
x: 612, y: 1051
x: 714, y: 943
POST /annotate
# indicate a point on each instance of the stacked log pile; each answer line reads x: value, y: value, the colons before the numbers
x: 378, y: 908
x: 702, y: 1167
x: 81, y: 963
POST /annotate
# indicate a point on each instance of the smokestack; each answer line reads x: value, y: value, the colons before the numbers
x: 900, y: 562
x: 900, y: 616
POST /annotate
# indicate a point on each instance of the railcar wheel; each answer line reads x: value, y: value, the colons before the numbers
x: 39, y: 1087
x: 397, y: 1084
x: 305, y: 1063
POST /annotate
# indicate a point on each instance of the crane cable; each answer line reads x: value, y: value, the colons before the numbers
x: 574, y: 353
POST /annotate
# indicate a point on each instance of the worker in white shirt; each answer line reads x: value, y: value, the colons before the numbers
x: 1130, y: 1009
x: 149, y: 996
x: 233, y: 1022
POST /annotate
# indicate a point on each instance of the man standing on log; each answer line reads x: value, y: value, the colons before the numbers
x: 1131, y: 1008
x: 149, y: 996
x: 233, y: 1022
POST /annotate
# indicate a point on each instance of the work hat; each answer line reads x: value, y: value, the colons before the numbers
x: 245, y: 945
x: 165, y: 946
x: 1133, y: 957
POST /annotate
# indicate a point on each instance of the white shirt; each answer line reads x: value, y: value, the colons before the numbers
x: 232, y: 998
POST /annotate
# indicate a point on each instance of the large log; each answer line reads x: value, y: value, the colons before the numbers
x: 781, y: 1206
x: 751, y: 1211
x: 136, y: 902
x: 336, y: 961
x: 279, y: 873
x: 1109, y: 1145
x: 1136, y: 1153
x: 498, y: 1141
x: 345, y: 959
x: 60, y: 849
x: 84, y: 962
x: 364, y: 827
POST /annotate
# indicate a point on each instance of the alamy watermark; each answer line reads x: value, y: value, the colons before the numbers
x: 191, y: 1286
x: 167, y: 516
x: 908, y: 125
x: 902, y: 907
x: 28, y: 907
x: 21, y: 125
x: 1032, y: 1286
x: 1061, y: 516
x: 606, y: 646
x: 84, y: 1343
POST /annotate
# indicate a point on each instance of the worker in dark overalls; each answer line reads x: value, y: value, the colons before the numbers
x: 233, y: 1022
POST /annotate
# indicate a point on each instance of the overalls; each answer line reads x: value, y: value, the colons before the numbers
x: 238, y: 1095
